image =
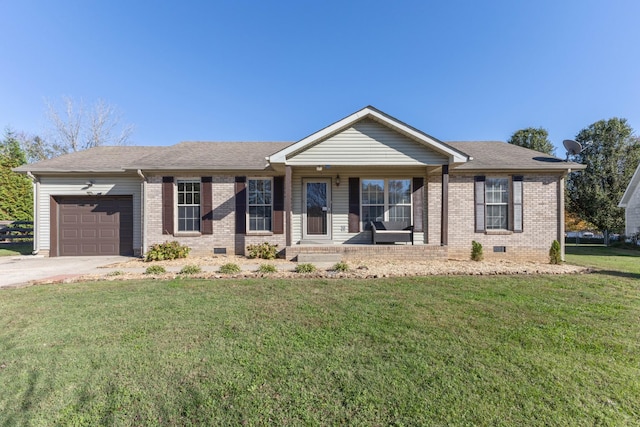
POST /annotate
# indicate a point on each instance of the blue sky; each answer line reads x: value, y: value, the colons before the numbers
x: 280, y: 70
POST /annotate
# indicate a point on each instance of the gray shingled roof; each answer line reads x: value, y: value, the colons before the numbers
x: 213, y: 156
x: 496, y: 155
x: 487, y: 155
x: 97, y: 159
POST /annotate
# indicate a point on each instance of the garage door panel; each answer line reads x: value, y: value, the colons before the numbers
x: 69, y: 234
x: 95, y: 225
x: 89, y: 219
x: 108, y: 234
x: 89, y: 234
x: 69, y: 219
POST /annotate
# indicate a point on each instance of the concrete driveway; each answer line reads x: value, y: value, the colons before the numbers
x: 17, y: 271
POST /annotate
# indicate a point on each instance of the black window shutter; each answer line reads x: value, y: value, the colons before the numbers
x: 167, y: 205
x: 479, y: 202
x: 354, y: 205
x: 418, y: 204
x: 517, y: 183
x: 278, y: 205
x: 241, y: 205
x: 206, y: 205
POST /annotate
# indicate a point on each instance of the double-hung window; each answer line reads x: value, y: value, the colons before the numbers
x: 260, y: 204
x: 385, y: 200
x: 497, y: 203
x: 188, y: 205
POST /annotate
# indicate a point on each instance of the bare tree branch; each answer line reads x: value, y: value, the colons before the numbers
x: 77, y: 129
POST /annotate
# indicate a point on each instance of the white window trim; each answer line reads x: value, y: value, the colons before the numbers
x: 508, y: 204
x: 363, y: 226
x: 247, y: 215
x: 176, y: 216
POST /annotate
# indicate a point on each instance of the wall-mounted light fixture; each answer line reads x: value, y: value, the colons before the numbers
x: 338, y: 180
x: 319, y: 168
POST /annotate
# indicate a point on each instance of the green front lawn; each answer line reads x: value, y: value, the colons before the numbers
x: 610, y: 259
x: 12, y: 249
x: 539, y: 350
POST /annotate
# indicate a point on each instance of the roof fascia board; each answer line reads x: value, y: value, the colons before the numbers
x: 454, y: 155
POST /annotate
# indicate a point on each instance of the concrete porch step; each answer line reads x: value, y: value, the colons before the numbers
x: 316, y: 258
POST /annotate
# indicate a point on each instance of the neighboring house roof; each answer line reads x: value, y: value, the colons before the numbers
x: 501, y: 156
x: 369, y: 112
x: 631, y: 188
x: 97, y: 159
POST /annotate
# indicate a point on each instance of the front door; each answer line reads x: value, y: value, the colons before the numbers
x: 317, y: 209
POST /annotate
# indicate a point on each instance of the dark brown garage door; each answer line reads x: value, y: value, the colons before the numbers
x: 88, y: 225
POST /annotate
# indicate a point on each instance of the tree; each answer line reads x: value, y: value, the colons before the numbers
x: 34, y: 147
x: 611, y: 153
x: 534, y: 139
x: 16, y: 196
x: 73, y: 128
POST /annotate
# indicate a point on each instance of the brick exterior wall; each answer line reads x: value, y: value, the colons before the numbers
x: 223, y: 188
x: 540, y: 220
x: 540, y: 214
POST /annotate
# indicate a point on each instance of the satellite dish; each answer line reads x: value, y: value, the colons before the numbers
x: 572, y: 147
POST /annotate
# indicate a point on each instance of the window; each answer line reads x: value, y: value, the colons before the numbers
x: 497, y: 203
x: 260, y: 204
x: 385, y: 200
x: 188, y: 205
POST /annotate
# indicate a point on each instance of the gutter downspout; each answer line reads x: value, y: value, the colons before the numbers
x: 143, y: 202
x: 36, y: 197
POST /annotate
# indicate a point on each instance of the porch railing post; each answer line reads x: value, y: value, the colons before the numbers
x: 287, y: 204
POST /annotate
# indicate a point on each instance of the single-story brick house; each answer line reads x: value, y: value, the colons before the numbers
x: 319, y: 194
x: 631, y: 203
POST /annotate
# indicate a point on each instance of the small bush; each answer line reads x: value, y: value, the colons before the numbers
x: 263, y: 251
x: 267, y: 268
x: 155, y: 269
x: 230, y: 268
x: 341, y: 266
x: 555, y: 256
x: 476, y: 251
x: 305, y: 268
x: 115, y: 273
x: 166, y: 250
x: 190, y: 269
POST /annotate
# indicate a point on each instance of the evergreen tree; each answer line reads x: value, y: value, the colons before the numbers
x: 16, y: 195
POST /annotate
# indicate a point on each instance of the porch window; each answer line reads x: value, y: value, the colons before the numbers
x: 188, y: 205
x: 260, y: 204
x: 385, y: 200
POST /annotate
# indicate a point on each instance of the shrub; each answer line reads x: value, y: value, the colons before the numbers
x: 305, y: 268
x: 476, y: 251
x: 166, y: 250
x: 230, y: 268
x: 341, y: 266
x: 263, y: 251
x: 555, y: 257
x: 155, y: 269
x: 190, y: 269
x: 115, y: 273
x: 267, y: 268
